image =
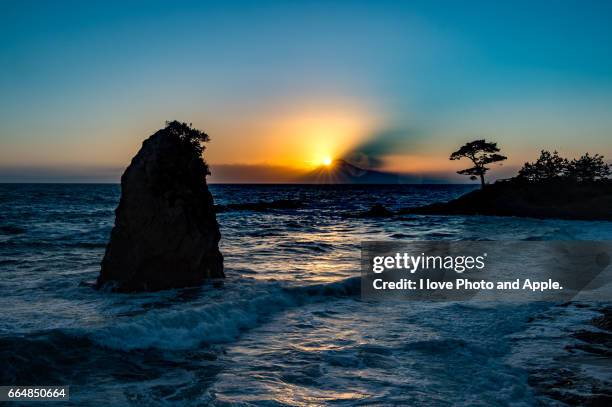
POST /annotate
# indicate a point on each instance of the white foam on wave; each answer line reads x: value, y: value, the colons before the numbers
x: 189, y: 325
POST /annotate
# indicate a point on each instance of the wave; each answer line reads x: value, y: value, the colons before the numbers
x: 127, y: 343
x: 41, y: 357
x: 222, y: 322
x: 306, y: 246
x: 56, y: 356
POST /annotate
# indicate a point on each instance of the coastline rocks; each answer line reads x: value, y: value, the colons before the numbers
x: 561, y: 200
x: 568, y: 384
x: 166, y: 234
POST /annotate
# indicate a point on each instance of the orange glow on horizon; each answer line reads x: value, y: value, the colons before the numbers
x: 303, y: 138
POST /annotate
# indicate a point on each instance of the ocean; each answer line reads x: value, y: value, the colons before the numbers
x: 288, y: 326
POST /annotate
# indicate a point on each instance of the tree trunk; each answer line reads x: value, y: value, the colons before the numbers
x: 482, y: 183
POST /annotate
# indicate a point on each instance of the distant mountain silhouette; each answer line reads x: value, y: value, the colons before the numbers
x: 342, y: 172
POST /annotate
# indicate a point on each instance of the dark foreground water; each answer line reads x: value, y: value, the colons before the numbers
x: 288, y: 326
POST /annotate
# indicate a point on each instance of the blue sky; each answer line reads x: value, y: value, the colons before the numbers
x: 83, y: 83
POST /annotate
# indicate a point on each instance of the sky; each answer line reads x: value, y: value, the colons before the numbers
x: 280, y: 86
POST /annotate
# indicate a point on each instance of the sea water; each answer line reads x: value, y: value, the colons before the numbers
x: 288, y: 326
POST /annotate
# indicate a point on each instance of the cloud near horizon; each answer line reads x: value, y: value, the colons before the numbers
x: 60, y: 174
x: 253, y: 174
x: 221, y: 174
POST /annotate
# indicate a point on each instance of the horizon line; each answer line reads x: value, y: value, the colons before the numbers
x: 238, y: 183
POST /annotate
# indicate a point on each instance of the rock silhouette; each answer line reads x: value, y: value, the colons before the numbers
x: 166, y: 233
x: 550, y: 187
x: 553, y: 199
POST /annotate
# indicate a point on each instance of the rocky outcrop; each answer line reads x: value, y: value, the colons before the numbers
x: 572, y: 381
x: 559, y: 199
x: 166, y: 234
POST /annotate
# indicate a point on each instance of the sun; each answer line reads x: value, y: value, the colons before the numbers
x: 327, y: 161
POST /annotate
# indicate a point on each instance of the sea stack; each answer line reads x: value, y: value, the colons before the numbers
x: 166, y: 233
